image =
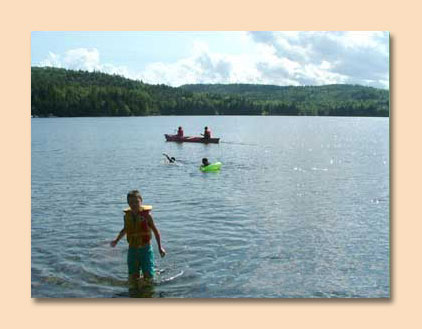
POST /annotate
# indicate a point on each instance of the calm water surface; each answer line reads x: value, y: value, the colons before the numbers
x: 299, y: 209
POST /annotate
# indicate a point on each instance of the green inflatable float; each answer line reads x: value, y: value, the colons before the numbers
x: 211, y: 167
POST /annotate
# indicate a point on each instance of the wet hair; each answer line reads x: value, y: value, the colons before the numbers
x: 133, y: 193
x: 204, y: 160
x: 173, y: 159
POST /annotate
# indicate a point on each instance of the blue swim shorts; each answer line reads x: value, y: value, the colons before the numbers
x: 141, y: 258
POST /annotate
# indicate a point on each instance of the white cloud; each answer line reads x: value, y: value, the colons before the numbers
x: 81, y: 58
x: 280, y: 58
x: 84, y: 59
x: 296, y: 58
x: 51, y: 60
x: 339, y: 57
x: 76, y: 59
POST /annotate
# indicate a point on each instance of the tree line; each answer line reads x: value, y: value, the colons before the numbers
x: 69, y: 93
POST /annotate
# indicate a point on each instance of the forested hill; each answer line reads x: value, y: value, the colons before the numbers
x: 339, y: 92
x: 61, y: 92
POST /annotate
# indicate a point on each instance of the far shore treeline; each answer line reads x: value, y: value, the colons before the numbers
x: 68, y: 93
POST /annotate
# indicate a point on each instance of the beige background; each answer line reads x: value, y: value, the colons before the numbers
x: 18, y: 19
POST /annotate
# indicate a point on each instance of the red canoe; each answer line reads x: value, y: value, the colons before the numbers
x: 190, y: 139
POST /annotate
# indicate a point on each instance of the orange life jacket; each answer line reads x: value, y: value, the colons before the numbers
x: 138, y: 233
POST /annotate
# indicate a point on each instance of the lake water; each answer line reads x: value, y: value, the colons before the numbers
x: 300, y: 208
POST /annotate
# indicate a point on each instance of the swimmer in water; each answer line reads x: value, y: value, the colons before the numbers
x: 170, y: 159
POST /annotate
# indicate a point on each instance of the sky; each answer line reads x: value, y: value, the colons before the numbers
x: 258, y: 57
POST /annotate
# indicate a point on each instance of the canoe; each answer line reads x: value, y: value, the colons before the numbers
x: 191, y: 139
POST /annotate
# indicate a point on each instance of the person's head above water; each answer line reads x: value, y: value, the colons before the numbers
x: 172, y: 159
x: 134, y: 199
x: 205, y: 161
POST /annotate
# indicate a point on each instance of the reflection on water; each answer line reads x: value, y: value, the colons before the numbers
x: 299, y: 209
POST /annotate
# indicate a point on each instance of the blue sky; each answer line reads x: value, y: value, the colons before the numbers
x: 176, y: 58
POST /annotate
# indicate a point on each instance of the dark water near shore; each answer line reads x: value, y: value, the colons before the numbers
x: 299, y: 209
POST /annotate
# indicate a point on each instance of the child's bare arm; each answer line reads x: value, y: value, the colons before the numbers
x: 168, y: 158
x: 119, y: 236
x: 156, y: 234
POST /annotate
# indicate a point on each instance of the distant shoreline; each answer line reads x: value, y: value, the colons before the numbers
x: 217, y: 115
x: 67, y: 93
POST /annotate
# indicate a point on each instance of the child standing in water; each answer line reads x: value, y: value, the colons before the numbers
x: 138, y: 225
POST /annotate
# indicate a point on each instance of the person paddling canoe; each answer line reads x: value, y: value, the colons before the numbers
x: 180, y: 132
x: 207, y: 133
